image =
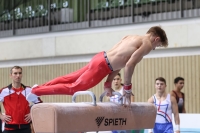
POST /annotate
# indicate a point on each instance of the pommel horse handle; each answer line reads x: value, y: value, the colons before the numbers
x: 84, y: 93
x: 114, y: 93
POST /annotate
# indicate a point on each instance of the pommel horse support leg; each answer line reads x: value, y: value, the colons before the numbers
x: 85, y: 117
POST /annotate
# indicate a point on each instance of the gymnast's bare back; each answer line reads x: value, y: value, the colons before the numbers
x: 131, y: 48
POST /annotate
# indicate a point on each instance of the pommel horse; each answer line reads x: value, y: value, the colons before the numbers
x: 85, y: 117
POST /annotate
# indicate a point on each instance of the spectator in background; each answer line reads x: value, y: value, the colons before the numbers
x: 118, y: 87
x: 166, y: 105
x: 176, y: 92
x: 17, y: 116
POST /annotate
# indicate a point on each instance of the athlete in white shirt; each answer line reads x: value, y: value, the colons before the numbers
x: 166, y: 105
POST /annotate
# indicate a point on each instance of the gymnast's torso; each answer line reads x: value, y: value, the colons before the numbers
x: 164, y: 110
x: 120, y: 54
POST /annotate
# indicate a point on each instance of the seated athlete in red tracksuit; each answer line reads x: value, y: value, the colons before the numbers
x: 127, y: 53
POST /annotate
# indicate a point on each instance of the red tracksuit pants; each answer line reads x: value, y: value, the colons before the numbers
x: 81, y: 80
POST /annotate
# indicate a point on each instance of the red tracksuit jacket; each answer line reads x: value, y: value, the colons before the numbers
x: 15, y: 103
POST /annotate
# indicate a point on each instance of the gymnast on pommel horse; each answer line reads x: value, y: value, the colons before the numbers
x: 125, y: 54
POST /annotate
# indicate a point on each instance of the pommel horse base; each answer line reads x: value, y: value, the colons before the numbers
x: 85, y: 117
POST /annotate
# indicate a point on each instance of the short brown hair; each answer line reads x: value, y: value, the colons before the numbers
x: 161, y: 79
x: 177, y: 79
x: 119, y: 74
x: 15, y: 67
x: 158, y: 31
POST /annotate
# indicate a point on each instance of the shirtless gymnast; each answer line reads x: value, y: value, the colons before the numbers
x: 125, y: 54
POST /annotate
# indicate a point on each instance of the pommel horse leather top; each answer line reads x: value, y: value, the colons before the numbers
x: 85, y: 117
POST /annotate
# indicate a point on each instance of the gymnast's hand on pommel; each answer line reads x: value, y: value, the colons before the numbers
x: 127, y: 93
x: 108, y: 89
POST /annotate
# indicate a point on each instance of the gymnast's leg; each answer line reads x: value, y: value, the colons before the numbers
x: 93, y: 73
x: 69, y: 78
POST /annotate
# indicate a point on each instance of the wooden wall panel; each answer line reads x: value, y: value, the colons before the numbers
x: 143, y: 78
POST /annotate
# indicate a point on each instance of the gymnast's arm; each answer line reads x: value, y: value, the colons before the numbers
x: 108, y: 84
x: 184, y: 111
x: 28, y: 116
x: 5, y: 118
x: 150, y: 100
x: 176, y: 114
x: 112, y: 75
x: 135, y: 58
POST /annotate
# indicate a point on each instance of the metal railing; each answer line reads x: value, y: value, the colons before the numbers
x: 40, y: 16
